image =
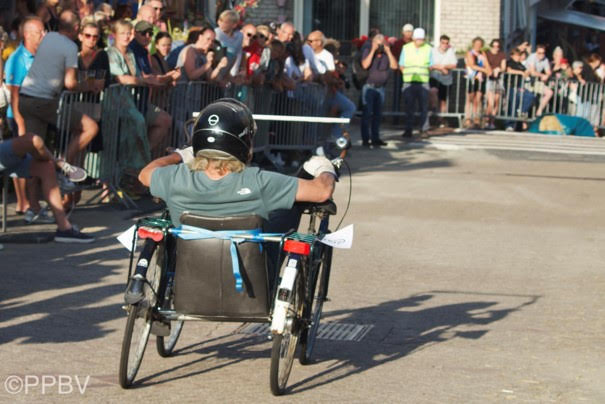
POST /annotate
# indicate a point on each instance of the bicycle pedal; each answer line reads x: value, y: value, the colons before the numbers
x: 160, y: 329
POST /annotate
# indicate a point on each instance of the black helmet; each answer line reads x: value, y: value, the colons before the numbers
x: 226, y: 126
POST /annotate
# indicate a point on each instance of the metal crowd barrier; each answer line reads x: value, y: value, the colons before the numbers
x: 518, y: 101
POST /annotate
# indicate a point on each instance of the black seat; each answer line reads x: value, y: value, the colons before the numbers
x: 204, y: 281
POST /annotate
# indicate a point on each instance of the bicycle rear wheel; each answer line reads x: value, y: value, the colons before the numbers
x: 316, y: 295
x: 284, y: 345
x: 138, y: 325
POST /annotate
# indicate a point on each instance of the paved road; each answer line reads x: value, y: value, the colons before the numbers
x: 478, y: 273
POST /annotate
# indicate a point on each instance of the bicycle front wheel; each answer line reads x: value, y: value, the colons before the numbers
x: 138, y: 325
x: 284, y: 345
x: 316, y: 295
x: 136, y: 335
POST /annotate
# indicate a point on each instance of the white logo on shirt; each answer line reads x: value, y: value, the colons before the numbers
x: 244, y: 191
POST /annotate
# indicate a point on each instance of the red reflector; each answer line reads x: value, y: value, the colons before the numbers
x: 154, y: 234
x: 297, y: 247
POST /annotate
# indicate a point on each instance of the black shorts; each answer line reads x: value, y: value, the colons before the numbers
x: 476, y: 86
x: 441, y: 89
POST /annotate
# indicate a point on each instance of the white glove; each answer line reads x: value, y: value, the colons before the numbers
x: 186, y: 154
x: 317, y: 165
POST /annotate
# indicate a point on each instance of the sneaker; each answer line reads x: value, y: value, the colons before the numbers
x: 134, y: 291
x: 72, y: 236
x: 65, y: 185
x: 75, y: 174
x: 407, y: 134
x: 365, y: 143
x: 42, y: 217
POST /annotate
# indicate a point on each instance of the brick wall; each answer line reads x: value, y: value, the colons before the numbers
x: 462, y: 20
x: 268, y: 10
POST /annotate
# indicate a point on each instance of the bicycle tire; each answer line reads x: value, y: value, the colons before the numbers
x: 316, y: 296
x: 284, y: 345
x: 165, y: 345
x: 132, y: 351
x: 140, y: 319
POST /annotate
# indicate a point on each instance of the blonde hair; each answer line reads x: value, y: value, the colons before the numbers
x: 124, y: 23
x: 263, y: 29
x: 218, y: 160
x: 231, y: 15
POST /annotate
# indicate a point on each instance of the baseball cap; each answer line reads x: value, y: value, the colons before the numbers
x: 407, y: 28
x: 143, y: 26
x: 418, y: 33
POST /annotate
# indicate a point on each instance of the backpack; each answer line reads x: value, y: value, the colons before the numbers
x: 360, y: 75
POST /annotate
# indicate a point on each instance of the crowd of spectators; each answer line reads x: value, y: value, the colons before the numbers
x: 85, y: 45
x: 498, y: 83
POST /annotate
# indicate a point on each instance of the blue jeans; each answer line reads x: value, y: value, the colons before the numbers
x: 372, y: 100
x: 345, y: 106
x: 521, y: 101
x: 415, y: 93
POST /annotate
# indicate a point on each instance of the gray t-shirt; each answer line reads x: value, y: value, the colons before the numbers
x: 46, y: 77
x: 233, y: 43
x: 253, y: 191
x: 541, y: 66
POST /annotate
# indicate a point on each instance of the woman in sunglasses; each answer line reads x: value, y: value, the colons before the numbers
x: 254, y: 54
x: 92, y: 61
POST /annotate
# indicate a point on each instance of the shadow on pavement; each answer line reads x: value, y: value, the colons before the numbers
x: 54, y: 293
x: 403, y: 328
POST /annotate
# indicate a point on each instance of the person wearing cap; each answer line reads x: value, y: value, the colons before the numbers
x: 415, y: 62
x: 143, y: 32
x: 406, y: 37
x: 151, y: 12
x: 212, y: 177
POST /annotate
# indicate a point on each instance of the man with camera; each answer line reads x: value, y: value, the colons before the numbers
x: 379, y: 61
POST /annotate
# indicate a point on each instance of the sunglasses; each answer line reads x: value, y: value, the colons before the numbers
x: 250, y: 35
x: 259, y: 36
x: 148, y: 32
x: 93, y: 36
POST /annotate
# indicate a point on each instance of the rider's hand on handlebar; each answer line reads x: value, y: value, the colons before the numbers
x: 317, y: 165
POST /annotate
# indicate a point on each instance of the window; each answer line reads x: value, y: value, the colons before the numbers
x: 336, y: 19
x: 390, y: 15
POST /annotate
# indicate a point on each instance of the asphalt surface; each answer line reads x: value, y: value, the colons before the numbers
x: 477, y: 272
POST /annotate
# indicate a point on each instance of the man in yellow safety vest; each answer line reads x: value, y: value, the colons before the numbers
x: 414, y: 62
